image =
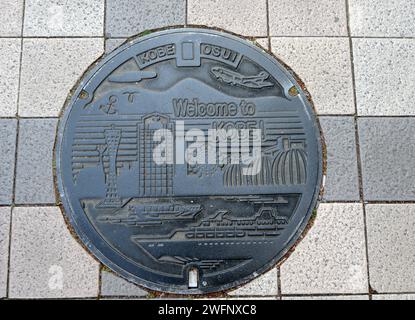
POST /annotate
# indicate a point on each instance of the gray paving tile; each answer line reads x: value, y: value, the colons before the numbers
x: 387, y: 147
x: 9, y: 80
x: 393, y: 297
x: 34, y: 177
x: 342, y: 182
x: 346, y: 298
x: 393, y: 18
x: 64, y: 18
x: 385, y: 76
x: 128, y: 17
x: 231, y: 298
x: 239, y: 16
x: 11, y: 14
x: 45, y: 260
x: 324, y: 65
x: 331, y: 258
x: 111, y: 44
x: 4, y: 248
x: 8, y: 129
x: 112, y: 285
x: 391, y: 238
x: 307, y: 18
x: 50, y: 68
x: 264, y: 285
x: 121, y: 298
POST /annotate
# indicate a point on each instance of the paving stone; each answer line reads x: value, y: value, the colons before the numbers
x: 45, y: 260
x: 34, y: 178
x: 64, y: 18
x: 239, y: 16
x: 113, y: 43
x: 9, y: 80
x: 393, y: 297
x: 354, y: 297
x: 264, y: 285
x: 331, y: 258
x: 391, y: 238
x: 50, y: 68
x: 387, y: 147
x: 324, y: 65
x: 112, y: 285
x: 11, y: 13
x: 263, y: 42
x: 7, y: 157
x: 342, y: 177
x: 4, y: 248
x: 129, y: 17
x: 393, y: 18
x: 385, y: 76
x: 307, y: 18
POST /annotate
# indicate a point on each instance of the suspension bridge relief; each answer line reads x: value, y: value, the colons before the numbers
x: 112, y: 140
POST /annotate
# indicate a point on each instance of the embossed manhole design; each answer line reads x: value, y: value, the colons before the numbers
x: 146, y: 170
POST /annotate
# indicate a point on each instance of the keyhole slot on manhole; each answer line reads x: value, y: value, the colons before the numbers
x: 193, y: 277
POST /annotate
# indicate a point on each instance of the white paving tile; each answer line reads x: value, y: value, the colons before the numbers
x: 391, y: 238
x: 264, y: 285
x: 4, y: 248
x: 9, y: 79
x: 239, y: 16
x: 11, y: 14
x: 307, y: 18
x: 46, y: 261
x: 385, y: 76
x: 64, y: 18
x: 391, y: 18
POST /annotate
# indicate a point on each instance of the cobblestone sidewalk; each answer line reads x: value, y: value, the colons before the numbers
x: 356, y: 57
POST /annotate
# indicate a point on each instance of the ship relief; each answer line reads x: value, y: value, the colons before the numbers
x: 236, y: 79
x: 188, y: 153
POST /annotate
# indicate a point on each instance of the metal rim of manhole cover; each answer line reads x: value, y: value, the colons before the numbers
x: 188, y: 160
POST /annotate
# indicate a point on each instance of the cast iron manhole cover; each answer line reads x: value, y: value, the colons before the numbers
x: 188, y: 161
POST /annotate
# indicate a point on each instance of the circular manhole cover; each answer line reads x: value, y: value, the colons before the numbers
x: 188, y: 161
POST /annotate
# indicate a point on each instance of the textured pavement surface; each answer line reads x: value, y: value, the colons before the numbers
x: 357, y: 59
